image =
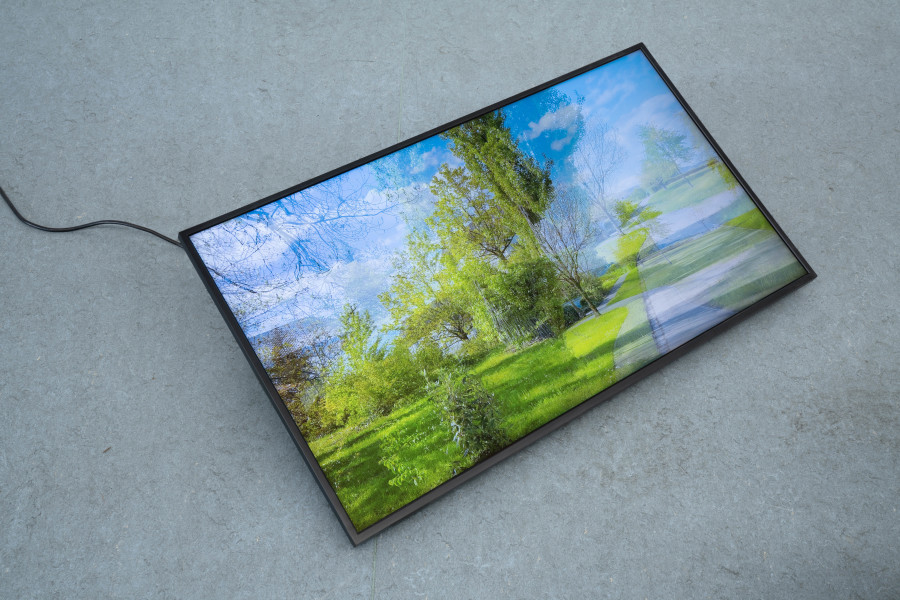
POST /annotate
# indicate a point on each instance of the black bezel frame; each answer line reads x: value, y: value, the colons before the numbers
x: 358, y: 537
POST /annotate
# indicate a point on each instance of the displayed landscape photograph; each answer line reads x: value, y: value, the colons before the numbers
x: 422, y: 312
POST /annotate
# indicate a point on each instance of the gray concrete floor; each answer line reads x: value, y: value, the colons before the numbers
x: 139, y: 456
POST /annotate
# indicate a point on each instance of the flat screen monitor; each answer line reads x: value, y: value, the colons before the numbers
x: 424, y: 312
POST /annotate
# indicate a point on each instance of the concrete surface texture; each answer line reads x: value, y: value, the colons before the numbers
x: 139, y: 456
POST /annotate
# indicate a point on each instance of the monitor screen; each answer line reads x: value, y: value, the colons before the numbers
x: 424, y: 312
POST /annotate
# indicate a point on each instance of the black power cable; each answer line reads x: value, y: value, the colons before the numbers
x: 85, y: 225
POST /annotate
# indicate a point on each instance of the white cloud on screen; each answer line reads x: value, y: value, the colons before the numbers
x: 565, y: 118
x: 656, y: 110
x: 617, y: 92
x: 426, y: 160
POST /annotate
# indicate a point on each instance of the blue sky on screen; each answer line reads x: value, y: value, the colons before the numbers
x: 369, y: 210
